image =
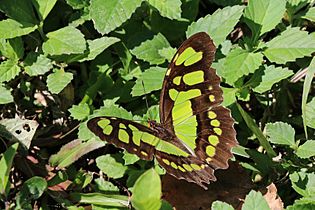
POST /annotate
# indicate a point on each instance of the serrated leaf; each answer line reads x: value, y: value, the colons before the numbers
x: 5, y: 95
x: 109, y: 15
x: 240, y: 62
x: 8, y: 70
x: 290, y: 45
x: 11, y: 28
x: 303, y: 183
x: 149, y: 49
x: 229, y: 96
x: 310, y: 15
x: 307, y: 149
x: 271, y: 76
x: 255, y: 200
x: 150, y: 80
x: 43, y: 7
x: 12, y: 48
x: 110, y: 166
x: 218, y: 25
x: 170, y: 9
x: 58, y: 80
x: 78, y: 4
x: 80, y: 112
x: 147, y: 191
x: 37, y: 64
x: 167, y: 53
x: 263, y: 15
x: 97, y: 46
x: 280, y: 133
x: 310, y: 114
x: 19, y: 10
x: 67, y: 40
x: 72, y: 151
x: 219, y: 205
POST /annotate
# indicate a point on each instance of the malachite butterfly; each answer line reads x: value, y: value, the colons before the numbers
x: 196, y: 133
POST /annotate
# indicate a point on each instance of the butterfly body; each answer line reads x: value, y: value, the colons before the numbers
x: 196, y: 133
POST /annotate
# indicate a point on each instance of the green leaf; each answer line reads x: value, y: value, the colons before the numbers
x: 5, y: 95
x: 240, y: 62
x: 219, y: 205
x: 303, y: 183
x: 150, y: 80
x: 8, y: 70
x: 298, y: 206
x: 58, y: 80
x: 280, y: 133
x: 101, y: 199
x: 12, y: 48
x: 106, y: 186
x: 80, y: 112
x: 37, y: 64
x: 130, y: 158
x: 149, y: 49
x: 19, y: 10
x: 109, y: 15
x: 11, y: 28
x: 255, y: 200
x: 147, y: 191
x: 78, y: 4
x: 310, y: 114
x: 218, y: 25
x: 32, y: 189
x: 67, y: 40
x: 290, y: 45
x: 97, y: 46
x: 307, y: 149
x: 229, y: 96
x: 43, y: 7
x: 170, y: 9
x: 167, y: 53
x: 5, y: 165
x: 110, y: 166
x: 263, y: 15
x: 72, y: 151
x: 271, y: 76
x: 310, y: 15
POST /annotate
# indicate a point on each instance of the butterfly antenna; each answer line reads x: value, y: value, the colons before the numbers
x: 146, y: 100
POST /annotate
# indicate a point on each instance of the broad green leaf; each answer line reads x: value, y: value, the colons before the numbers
x: 218, y: 25
x: 280, y: 133
x: 290, y: 45
x: 130, y: 158
x: 19, y: 10
x: 167, y: 53
x: 298, y: 206
x: 310, y: 114
x: 255, y: 200
x: 12, y: 48
x: 32, y: 189
x: 263, y: 15
x: 149, y: 81
x: 303, y: 183
x: 170, y: 9
x: 255, y: 129
x: 307, y: 149
x: 149, y: 49
x: 8, y: 70
x: 105, y: 200
x: 20, y: 130
x: 11, y: 28
x: 78, y: 4
x: 110, y: 166
x: 310, y: 15
x: 37, y: 64
x: 240, y: 62
x: 80, y: 112
x: 43, y: 7
x: 106, y: 186
x: 111, y: 14
x: 72, y: 151
x: 97, y: 46
x: 147, y: 191
x: 5, y: 95
x: 219, y: 205
x: 229, y: 96
x: 58, y: 80
x: 271, y: 76
x: 67, y: 40
x: 5, y: 165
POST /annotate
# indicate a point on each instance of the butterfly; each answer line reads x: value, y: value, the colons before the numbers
x: 195, y: 134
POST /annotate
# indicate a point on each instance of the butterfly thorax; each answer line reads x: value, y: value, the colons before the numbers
x: 160, y: 130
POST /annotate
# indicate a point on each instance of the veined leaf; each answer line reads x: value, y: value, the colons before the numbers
x: 310, y: 15
x: 58, y: 80
x: 170, y: 9
x: 10, y: 28
x: 229, y: 96
x: 43, y: 7
x: 280, y: 133
x: 149, y: 50
x: 80, y: 112
x: 37, y: 64
x: 255, y: 200
x: 303, y: 183
x: 110, y: 166
x: 218, y: 25
x: 219, y: 205
x: 105, y: 200
x: 19, y: 10
x: 310, y: 114
x: 8, y: 70
x: 307, y: 149
x: 110, y: 15
x: 5, y: 95
x: 12, y: 48
x: 290, y: 45
x: 271, y: 76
